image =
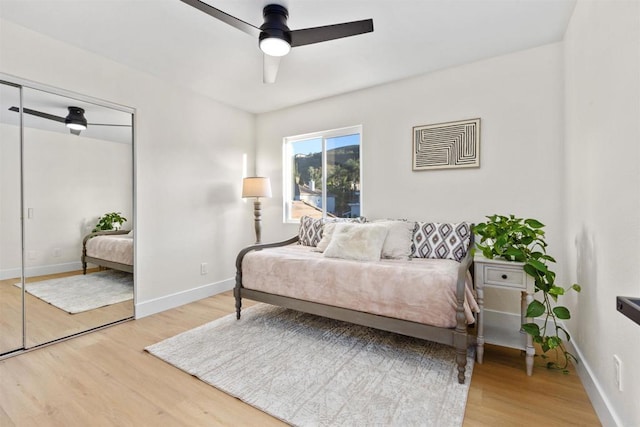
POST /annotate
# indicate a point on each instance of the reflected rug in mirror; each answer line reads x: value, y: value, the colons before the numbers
x: 312, y: 371
x: 75, y: 294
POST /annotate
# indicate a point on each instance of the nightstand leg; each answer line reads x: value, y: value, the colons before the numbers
x: 480, y: 337
x: 531, y: 351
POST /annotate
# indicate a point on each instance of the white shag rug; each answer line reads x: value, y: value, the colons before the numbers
x: 312, y: 371
x: 75, y: 294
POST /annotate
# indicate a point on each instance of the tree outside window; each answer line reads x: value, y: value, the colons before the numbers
x: 308, y: 191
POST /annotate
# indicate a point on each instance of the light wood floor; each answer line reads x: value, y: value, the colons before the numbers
x: 45, y: 322
x: 106, y: 379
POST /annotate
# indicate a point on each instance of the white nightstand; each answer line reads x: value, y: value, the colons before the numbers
x: 502, y: 274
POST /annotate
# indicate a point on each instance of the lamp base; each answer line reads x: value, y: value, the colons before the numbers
x: 257, y: 213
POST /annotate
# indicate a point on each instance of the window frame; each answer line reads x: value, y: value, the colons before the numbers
x: 287, y: 164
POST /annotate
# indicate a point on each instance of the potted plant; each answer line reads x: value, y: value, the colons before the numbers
x: 109, y: 221
x: 518, y: 239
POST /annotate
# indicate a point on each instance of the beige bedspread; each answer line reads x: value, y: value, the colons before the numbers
x: 115, y: 248
x: 419, y: 290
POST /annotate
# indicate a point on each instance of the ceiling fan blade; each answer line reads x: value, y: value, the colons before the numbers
x: 108, y: 124
x: 270, y: 66
x: 75, y: 131
x: 224, y: 17
x: 59, y: 119
x: 330, y: 32
x: 39, y: 114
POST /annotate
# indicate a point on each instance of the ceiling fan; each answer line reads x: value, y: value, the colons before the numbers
x: 276, y: 39
x: 75, y: 120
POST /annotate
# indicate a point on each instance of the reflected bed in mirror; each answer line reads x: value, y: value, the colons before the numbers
x: 112, y: 249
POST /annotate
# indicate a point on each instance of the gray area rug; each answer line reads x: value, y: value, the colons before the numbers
x: 75, y: 294
x: 311, y: 371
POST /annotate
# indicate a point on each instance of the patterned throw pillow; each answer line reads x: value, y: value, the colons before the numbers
x: 441, y: 240
x: 310, y: 231
x: 359, y: 220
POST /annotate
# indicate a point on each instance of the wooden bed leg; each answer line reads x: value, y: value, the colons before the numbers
x: 460, y: 342
x: 236, y: 293
x: 461, y: 360
x: 84, y: 268
x: 238, y: 304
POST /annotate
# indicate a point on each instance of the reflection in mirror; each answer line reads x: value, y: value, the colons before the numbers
x: 11, y: 328
x: 72, y: 176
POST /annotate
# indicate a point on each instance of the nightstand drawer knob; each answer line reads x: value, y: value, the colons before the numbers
x: 504, y: 276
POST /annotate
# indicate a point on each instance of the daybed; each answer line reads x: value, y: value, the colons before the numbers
x: 417, y: 296
x: 111, y: 249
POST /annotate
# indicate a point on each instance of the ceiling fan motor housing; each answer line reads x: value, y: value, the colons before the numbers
x: 76, y: 119
x: 275, y: 23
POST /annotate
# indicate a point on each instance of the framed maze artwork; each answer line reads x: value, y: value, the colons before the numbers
x: 447, y: 145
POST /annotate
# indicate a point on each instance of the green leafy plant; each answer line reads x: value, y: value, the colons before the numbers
x: 518, y: 239
x: 109, y: 221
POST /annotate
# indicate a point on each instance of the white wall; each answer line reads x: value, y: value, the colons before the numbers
x: 519, y: 100
x: 602, y: 72
x: 189, y: 152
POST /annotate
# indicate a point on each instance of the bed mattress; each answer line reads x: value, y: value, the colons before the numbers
x: 416, y: 289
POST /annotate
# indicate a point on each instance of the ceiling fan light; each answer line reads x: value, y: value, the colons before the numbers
x: 76, y: 126
x: 274, y: 46
x: 75, y: 119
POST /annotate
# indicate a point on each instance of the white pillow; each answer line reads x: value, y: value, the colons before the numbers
x: 327, y: 232
x: 397, y: 245
x: 359, y: 242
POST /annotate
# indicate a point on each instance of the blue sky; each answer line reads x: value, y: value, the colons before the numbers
x: 315, y: 145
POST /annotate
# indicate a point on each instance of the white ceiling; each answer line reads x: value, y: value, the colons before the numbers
x: 176, y: 42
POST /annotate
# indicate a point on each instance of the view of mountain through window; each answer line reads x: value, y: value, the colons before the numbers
x: 324, y: 175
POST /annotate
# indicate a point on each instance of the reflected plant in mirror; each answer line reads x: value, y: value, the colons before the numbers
x: 110, y: 221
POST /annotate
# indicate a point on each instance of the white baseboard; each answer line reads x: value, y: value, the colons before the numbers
x: 157, y: 305
x: 594, y: 390
x: 11, y: 273
x: 598, y: 398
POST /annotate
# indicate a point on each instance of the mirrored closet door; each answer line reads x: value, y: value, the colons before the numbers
x: 11, y: 302
x: 75, y: 167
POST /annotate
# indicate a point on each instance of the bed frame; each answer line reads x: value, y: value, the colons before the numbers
x: 102, y: 262
x: 457, y: 337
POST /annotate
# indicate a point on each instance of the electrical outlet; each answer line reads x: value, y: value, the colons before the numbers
x: 618, y: 366
x: 57, y: 252
x: 204, y: 269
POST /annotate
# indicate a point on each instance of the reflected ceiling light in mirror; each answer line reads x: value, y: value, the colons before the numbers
x: 75, y: 119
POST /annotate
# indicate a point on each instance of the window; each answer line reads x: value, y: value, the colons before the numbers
x: 312, y: 192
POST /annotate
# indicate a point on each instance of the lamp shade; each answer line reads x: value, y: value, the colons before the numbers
x: 256, y: 186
